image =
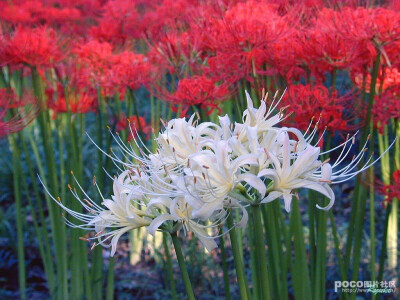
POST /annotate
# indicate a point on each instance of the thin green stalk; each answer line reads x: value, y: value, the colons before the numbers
x: 393, y: 221
x: 265, y: 292
x: 17, y: 178
x: 337, y: 248
x: 392, y: 234
x: 372, y: 225
x: 253, y: 261
x: 239, y: 266
x: 110, y: 279
x: 300, y: 276
x: 239, y: 231
x: 280, y: 232
x: 98, y: 263
x: 358, y: 210
x: 224, y: 268
x: 384, y: 241
x: 169, y: 268
x: 58, y: 226
x: 311, y: 228
x: 42, y: 235
x: 275, y: 254
x: 361, y: 194
x: 320, y: 265
x: 334, y: 78
x: 182, y: 266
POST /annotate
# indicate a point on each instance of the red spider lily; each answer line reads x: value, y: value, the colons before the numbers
x: 119, y: 21
x: 286, y: 58
x: 387, y: 77
x: 177, y: 49
x: 37, y: 12
x: 324, y: 49
x: 390, y: 191
x: 301, y: 12
x: 386, y: 107
x: 248, y: 26
x: 319, y: 104
x: 131, y: 70
x: 168, y: 14
x: 201, y: 91
x: 24, y: 112
x: 96, y: 59
x: 244, y: 37
x: 134, y: 124
x: 376, y: 28
x: 394, y: 5
x: 37, y: 47
x: 95, y: 55
x: 240, y: 67
x: 78, y: 103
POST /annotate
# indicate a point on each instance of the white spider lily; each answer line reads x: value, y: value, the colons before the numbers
x: 297, y: 170
x: 180, y: 211
x: 181, y: 138
x: 111, y: 220
x: 215, y: 174
x: 261, y: 118
x: 200, y: 172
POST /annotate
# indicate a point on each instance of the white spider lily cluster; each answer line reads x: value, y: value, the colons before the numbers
x: 201, y: 172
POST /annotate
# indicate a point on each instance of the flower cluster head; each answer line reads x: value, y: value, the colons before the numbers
x: 15, y: 113
x: 201, y: 171
x: 37, y: 47
x: 390, y: 190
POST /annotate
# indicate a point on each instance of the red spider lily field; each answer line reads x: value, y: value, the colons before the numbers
x: 199, y: 149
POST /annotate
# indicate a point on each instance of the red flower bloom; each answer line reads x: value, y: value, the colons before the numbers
x: 202, y: 91
x: 387, y: 77
x: 37, y: 12
x: 137, y: 124
x: 77, y: 103
x: 159, y: 19
x: 316, y: 102
x: 24, y: 112
x: 131, y: 70
x: 96, y: 60
x: 37, y: 47
x: 244, y: 37
x: 248, y: 26
x: 375, y: 28
x: 119, y: 21
x: 324, y: 49
x: 386, y: 107
x: 176, y: 49
x: 229, y: 67
x: 391, y: 191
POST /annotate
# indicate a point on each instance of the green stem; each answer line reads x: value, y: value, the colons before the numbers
x: 58, y: 227
x: 239, y: 266
x: 17, y: 177
x: 334, y: 78
x: 311, y: 226
x: 260, y: 253
x: 253, y: 263
x: 182, y: 265
x: 169, y: 268
x: 361, y: 193
x: 110, y: 280
x: 41, y: 231
x: 224, y: 268
x: 320, y: 265
x: 300, y: 274
x: 337, y: 248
